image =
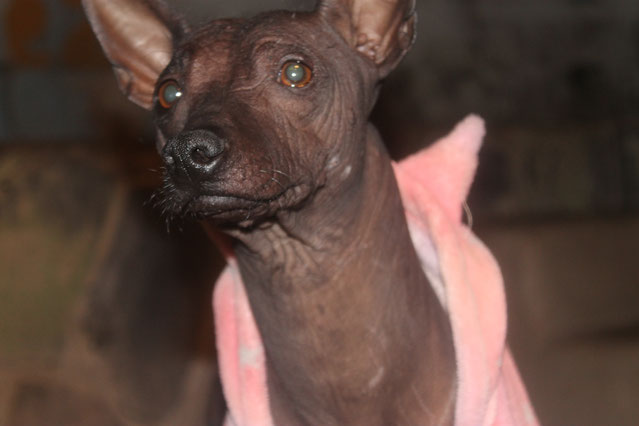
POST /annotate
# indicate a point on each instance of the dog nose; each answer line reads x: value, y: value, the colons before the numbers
x: 194, y: 152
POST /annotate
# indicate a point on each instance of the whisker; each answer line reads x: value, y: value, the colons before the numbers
x: 273, y: 177
x: 278, y: 182
x: 167, y: 224
x: 281, y: 173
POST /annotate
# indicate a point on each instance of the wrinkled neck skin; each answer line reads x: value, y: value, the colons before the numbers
x: 352, y: 331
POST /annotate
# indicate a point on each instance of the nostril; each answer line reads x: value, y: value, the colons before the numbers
x: 203, y: 155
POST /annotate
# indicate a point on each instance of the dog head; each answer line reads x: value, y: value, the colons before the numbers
x: 255, y: 115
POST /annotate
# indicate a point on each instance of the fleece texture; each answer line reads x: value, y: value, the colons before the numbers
x: 466, y: 278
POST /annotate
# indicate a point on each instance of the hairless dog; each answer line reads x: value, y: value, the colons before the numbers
x: 263, y: 127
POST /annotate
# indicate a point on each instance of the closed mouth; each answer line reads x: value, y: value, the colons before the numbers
x: 218, y: 205
x: 237, y: 208
x: 227, y: 209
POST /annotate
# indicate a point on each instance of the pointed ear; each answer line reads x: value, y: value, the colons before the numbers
x: 137, y: 37
x: 382, y: 30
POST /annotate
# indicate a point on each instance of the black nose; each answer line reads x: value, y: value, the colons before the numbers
x: 194, y: 152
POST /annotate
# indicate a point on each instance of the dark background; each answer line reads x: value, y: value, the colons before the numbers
x: 104, y: 313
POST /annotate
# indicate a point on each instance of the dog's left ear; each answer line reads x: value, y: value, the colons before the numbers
x: 382, y: 30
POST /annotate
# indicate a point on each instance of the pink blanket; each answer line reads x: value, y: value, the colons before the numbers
x: 433, y: 184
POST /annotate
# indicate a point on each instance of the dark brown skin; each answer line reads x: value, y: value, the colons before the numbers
x: 352, y: 330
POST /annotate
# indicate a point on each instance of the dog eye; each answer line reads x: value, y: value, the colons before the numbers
x: 295, y: 74
x: 169, y: 93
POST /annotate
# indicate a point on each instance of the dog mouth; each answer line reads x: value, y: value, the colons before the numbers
x: 228, y: 209
x: 221, y: 206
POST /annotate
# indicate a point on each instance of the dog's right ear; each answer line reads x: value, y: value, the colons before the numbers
x: 137, y: 37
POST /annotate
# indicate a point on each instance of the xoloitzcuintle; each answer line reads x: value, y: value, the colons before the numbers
x: 263, y: 127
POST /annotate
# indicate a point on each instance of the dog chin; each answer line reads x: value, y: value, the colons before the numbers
x: 226, y: 210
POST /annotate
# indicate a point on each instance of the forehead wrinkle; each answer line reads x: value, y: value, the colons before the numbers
x: 250, y: 52
x: 251, y: 86
x: 210, y: 50
x: 263, y: 42
x: 210, y: 64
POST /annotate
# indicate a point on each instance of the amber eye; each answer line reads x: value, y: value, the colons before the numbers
x: 169, y: 93
x: 295, y: 74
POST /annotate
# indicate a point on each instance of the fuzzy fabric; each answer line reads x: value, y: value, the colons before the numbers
x: 434, y: 184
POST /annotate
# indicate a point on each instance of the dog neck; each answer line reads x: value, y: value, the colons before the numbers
x: 337, y: 290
